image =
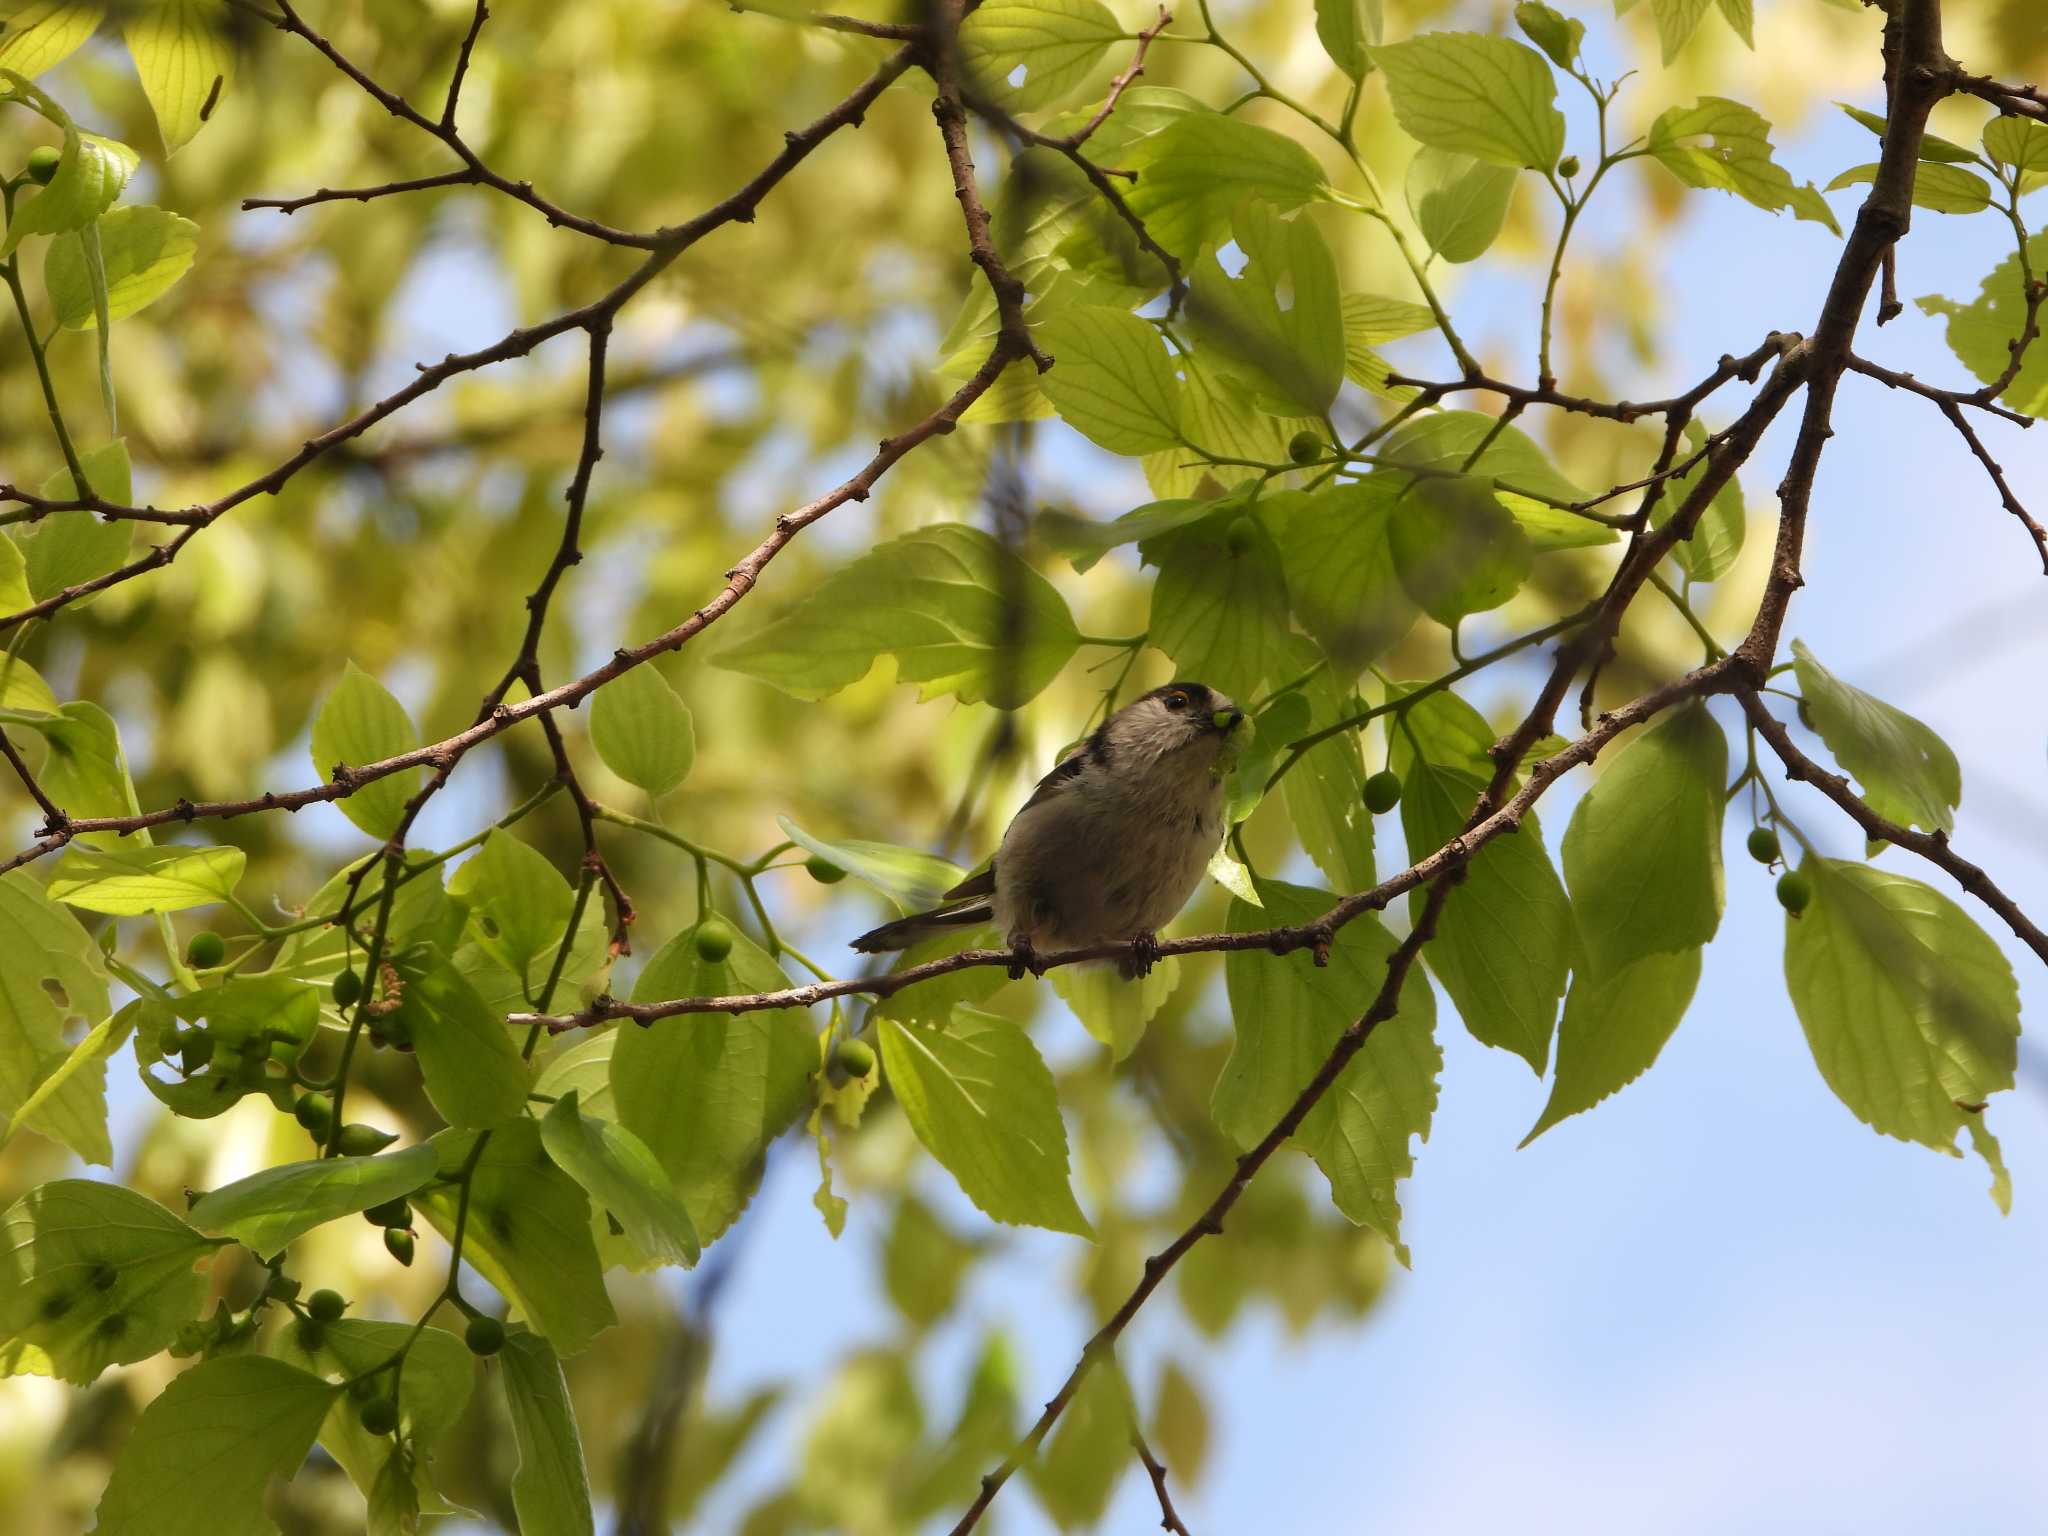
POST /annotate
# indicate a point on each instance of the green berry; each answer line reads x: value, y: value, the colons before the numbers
x: 206, y: 950
x: 347, y: 988
x: 484, y: 1336
x: 326, y: 1306
x: 1568, y: 167
x: 1795, y: 890
x: 1763, y: 845
x: 1241, y: 535
x: 850, y: 1059
x: 379, y: 1416
x: 310, y: 1336
x: 392, y: 1213
x: 824, y: 871
x: 714, y: 940
x: 398, y: 1243
x: 363, y: 1140
x: 1382, y: 792
x: 315, y: 1111
x: 1305, y: 448
x: 42, y: 164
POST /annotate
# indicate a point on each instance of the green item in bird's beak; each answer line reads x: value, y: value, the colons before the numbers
x: 1238, y: 733
x: 1226, y: 719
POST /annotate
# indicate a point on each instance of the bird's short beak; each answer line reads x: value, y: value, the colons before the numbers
x: 1226, y: 720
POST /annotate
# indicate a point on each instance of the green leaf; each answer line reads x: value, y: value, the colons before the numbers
x: 1371, y: 320
x: 126, y: 881
x: 53, y: 973
x: 1219, y: 607
x: 1981, y: 333
x: 202, y: 1456
x: 184, y: 52
x: 528, y: 1232
x: 1557, y: 35
x: 1741, y: 18
x: 643, y: 731
x: 89, y: 177
x: 1349, y: 30
x: 1224, y: 416
x: 1027, y: 54
x: 15, y: 674
x: 941, y: 601
x: 1642, y: 855
x: 85, y: 771
x: 40, y: 34
x: 433, y: 1390
x: 911, y: 880
x: 1736, y: 159
x: 73, y: 547
x: 1111, y: 380
x: 1910, y: 1008
x: 519, y: 905
x: 1504, y: 941
x: 270, y: 1209
x: 1710, y: 551
x: 1282, y: 720
x: 471, y: 1068
x: 1337, y: 555
x: 245, y: 1014
x: 618, y: 1172
x: 1676, y: 22
x: 1193, y: 175
x: 1459, y: 203
x: 1613, y: 1028
x: 1084, y: 541
x: 2016, y: 142
x: 1932, y: 146
x: 923, y: 1263
x: 1489, y: 97
x: 550, y: 1491
x: 709, y: 1092
x: 1325, y: 790
x: 1289, y: 1013
x: 1907, y: 773
x: 143, y: 252
x: 1278, y: 327
x: 69, y: 1104
x: 59, y: 1314
x: 360, y: 723
x: 1443, y: 729
x: 1473, y: 443
x: 1456, y: 549
x: 1113, y: 1010
x: 1524, y: 480
x: 1937, y: 188
x: 1088, y: 1454
x: 981, y: 1100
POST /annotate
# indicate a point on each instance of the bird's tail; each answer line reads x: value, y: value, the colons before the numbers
x: 906, y: 931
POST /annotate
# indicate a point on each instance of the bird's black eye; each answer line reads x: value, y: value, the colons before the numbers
x: 1175, y: 701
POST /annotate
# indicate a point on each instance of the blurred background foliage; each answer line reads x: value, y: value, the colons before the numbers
x: 757, y: 371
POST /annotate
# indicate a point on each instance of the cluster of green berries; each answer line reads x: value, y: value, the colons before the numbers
x: 1795, y: 886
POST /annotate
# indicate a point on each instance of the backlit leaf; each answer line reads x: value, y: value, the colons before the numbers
x: 1906, y: 772
x: 981, y: 1100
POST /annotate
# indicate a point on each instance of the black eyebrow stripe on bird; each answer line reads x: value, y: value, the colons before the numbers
x: 1097, y: 749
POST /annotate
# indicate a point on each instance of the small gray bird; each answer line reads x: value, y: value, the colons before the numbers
x: 1112, y: 842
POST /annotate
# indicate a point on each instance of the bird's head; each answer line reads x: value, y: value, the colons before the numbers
x: 1184, y: 721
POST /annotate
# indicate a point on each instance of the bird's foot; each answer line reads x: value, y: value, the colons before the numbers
x: 1024, y: 958
x: 1144, y: 954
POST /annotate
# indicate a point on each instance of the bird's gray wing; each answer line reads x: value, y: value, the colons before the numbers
x: 1068, y: 770
x: 983, y: 882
